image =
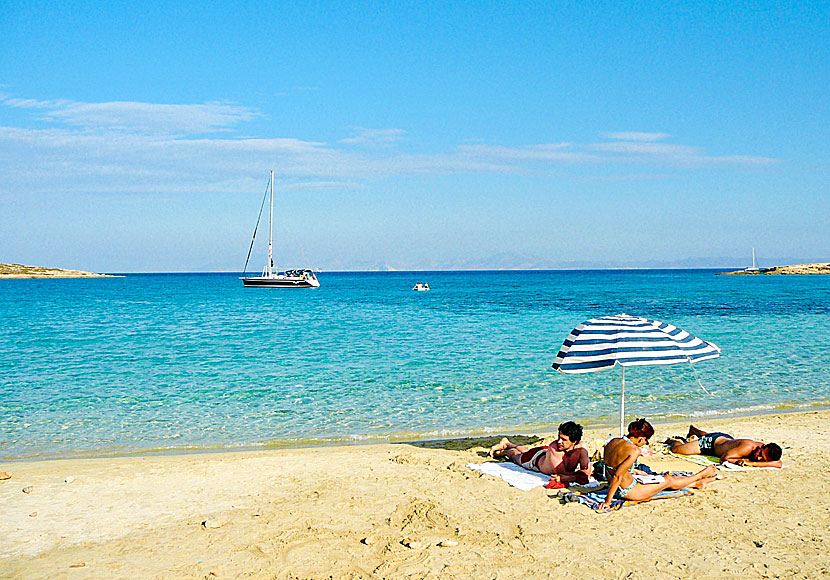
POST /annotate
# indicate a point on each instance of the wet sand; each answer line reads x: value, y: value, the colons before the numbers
x: 381, y: 511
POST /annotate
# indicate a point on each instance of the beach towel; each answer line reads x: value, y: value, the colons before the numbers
x: 593, y: 499
x: 712, y: 460
x: 517, y: 476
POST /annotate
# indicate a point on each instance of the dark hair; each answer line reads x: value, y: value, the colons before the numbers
x: 572, y: 430
x: 640, y: 428
x: 773, y: 451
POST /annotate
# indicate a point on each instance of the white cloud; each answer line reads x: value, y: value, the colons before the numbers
x: 668, y: 154
x: 126, y: 116
x: 549, y: 152
x: 636, y: 136
x: 146, y: 147
x: 374, y: 137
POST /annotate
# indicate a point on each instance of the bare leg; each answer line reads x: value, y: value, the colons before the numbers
x: 646, y: 491
x: 505, y: 448
x: 695, y: 432
x: 690, y: 448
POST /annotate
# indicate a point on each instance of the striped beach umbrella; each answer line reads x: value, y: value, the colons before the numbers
x: 600, y: 343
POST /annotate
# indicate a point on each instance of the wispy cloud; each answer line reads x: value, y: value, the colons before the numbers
x: 374, y: 137
x: 636, y: 136
x: 548, y: 152
x: 140, y: 147
x: 127, y: 116
x: 667, y: 154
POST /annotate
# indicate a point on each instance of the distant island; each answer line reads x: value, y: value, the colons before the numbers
x: 794, y: 270
x: 21, y: 271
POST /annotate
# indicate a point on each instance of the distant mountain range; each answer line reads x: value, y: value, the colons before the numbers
x: 512, y: 261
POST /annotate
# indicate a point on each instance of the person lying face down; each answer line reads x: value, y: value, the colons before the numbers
x: 565, y: 460
x: 739, y: 451
x: 620, y: 455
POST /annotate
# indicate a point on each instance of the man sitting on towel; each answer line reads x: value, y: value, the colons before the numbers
x: 565, y: 460
x: 738, y: 451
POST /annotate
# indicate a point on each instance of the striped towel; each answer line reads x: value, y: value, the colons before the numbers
x: 593, y: 499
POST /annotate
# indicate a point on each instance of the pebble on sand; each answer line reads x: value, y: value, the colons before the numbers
x: 447, y: 543
x: 69, y: 479
x: 78, y: 565
x: 33, y: 515
x: 213, y: 523
x: 28, y: 489
x: 413, y: 543
x: 5, y: 475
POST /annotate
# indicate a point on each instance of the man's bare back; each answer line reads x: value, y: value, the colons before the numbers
x: 739, y: 451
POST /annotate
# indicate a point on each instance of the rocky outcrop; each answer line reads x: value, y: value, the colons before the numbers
x: 796, y: 269
x: 21, y: 271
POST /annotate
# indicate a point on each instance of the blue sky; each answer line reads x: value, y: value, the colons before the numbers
x: 414, y: 135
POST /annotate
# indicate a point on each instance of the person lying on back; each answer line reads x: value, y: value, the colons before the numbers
x: 565, y: 460
x: 739, y: 451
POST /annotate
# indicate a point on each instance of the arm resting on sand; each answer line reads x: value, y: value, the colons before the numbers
x: 747, y: 463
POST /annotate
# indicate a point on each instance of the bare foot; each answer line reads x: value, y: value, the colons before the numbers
x: 703, y: 483
x: 708, y: 472
x: 500, y: 449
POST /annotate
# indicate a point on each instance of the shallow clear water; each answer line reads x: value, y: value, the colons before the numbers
x: 177, y: 361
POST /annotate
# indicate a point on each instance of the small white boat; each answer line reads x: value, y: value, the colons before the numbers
x: 271, y: 277
x: 421, y: 287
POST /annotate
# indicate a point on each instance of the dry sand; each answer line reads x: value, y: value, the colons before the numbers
x: 347, y: 512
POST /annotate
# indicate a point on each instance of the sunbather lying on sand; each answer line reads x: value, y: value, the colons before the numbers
x: 621, y: 454
x: 739, y: 451
x: 565, y: 460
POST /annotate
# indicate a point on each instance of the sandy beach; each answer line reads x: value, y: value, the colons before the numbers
x: 349, y: 512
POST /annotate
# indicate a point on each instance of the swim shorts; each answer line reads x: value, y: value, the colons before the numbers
x: 707, y: 442
x: 530, y: 459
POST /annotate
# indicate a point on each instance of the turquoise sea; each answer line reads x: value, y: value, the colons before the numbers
x: 151, y: 362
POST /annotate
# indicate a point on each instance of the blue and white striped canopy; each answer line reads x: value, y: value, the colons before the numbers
x: 600, y: 343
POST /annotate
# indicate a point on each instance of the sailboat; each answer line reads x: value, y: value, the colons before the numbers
x: 754, y: 267
x: 271, y: 277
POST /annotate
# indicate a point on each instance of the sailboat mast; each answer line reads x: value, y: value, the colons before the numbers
x: 271, y: 229
x: 753, y: 259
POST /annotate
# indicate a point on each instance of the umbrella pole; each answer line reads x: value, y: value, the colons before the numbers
x: 622, y: 404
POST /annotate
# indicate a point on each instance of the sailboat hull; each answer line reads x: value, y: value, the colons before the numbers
x: 280, y: 282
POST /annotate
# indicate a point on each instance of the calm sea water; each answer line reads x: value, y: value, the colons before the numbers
x: 184, y: 361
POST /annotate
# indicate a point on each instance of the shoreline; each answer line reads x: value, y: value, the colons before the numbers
x: 409, y: 438
x: 590, y: 423
x: 396, y: 510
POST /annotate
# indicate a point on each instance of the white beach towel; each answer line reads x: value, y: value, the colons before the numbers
x: 517, y: 476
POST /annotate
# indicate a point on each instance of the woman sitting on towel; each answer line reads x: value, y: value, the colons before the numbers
x: 619, y: 458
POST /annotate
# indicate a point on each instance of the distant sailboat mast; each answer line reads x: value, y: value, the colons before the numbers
x: 754, y: 267
x: 271, y: 230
